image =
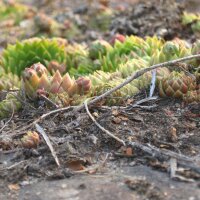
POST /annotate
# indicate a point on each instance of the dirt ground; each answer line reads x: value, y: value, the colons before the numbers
x: 33, y: 174
x: 160, y: 161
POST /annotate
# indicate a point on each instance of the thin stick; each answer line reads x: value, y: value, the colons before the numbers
x: 37, y: 120
x: 156, y: 152
x: 48, y: 101
x: 14, y: 165
x: 47, y: 140
x: 101, y: 127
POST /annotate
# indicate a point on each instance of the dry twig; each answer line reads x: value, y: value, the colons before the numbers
x: 161, y: 153
x: 47, y: 140
x: 43, y: 97
x: 101, y: 127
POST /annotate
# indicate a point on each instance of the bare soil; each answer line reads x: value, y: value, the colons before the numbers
x: 78, y: 141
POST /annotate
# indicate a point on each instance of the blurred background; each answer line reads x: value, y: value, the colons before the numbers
x: 88, y: 20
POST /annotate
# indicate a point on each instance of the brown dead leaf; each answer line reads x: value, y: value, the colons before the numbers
x: 129, y: 151
x: 75, y: 165
x: 126, y: 151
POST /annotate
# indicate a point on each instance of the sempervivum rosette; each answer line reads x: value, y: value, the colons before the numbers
x: 8, y: 81
x: 103, y: 81
x: 118, y: 96
x: 192, y: 96
x: 170, y: 50
x: 176, y: 84
x: 78, y: 61
x: 15, y: 58
x: 132, y: 66
x: 99, y: 48
x: 193, y: 20
x: 9, y: 105
x: 196, y: 50
x: 38, y: 81
x: 131, y: 45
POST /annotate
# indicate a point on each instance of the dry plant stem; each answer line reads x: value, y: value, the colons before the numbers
x: 14, y: 165
x: 101, y: 127
x: 182, y: 160
x: 161, y: 153
x: 47, y: 140
x: 19, y: 131
x: 49, y: 101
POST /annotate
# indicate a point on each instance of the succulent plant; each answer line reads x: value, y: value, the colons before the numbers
x: 9, y: 105
x: 101, y: 18
x: 99, y: 47
x: 176, y: 85
x: 30, y: 140
x: 132, y: 66
x: 169, y: 51
x: 192, y: 96
x: 46, y: 24
x: 14, y: 11
x: 74, y: 52
x: 103, y: 81
x: 85, y: 66
x: 118, y: 37
x: 101, y: 77
x: 53, y: 66
x: 9, y: 81
x: 15, y: 58
x: 196, y: 50
x: 78, y: 61
x: 161, y: 73
x: 37, y: 81
x: 134, y: 46
x: 120, y: 95
x: 191, y: 19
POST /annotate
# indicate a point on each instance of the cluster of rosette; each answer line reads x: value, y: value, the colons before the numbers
x: 38, y: 81
x: 180, y: 85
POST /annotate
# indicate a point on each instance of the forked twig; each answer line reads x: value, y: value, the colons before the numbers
x: 19, y: 131
x: 101, y: 127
